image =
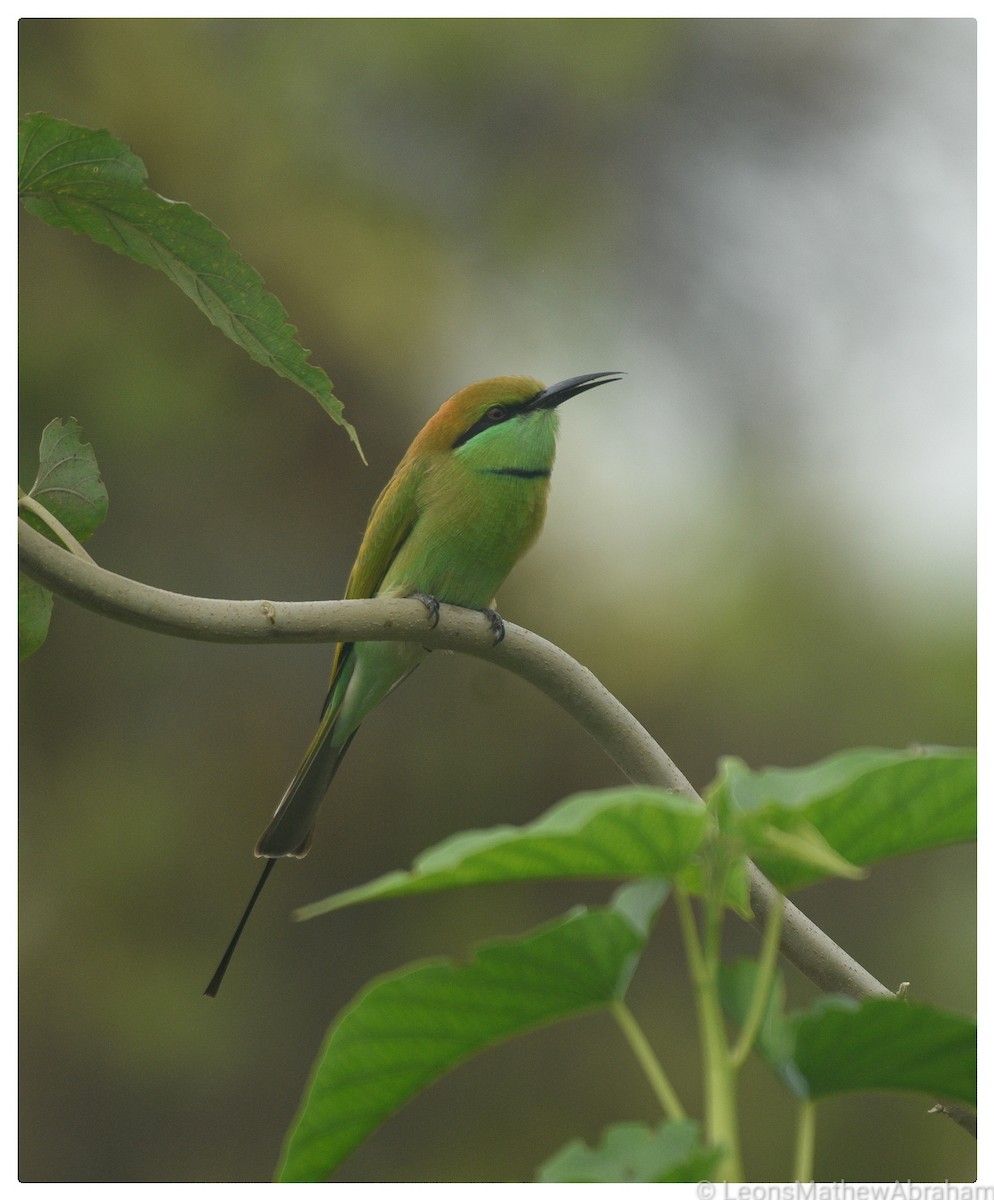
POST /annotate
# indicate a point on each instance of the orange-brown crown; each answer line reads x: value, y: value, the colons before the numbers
x: 461, y: 411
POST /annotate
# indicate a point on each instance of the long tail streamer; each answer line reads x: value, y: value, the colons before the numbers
x: 215, y: 983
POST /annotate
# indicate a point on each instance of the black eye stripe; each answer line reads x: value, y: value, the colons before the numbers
x: 496, y: 414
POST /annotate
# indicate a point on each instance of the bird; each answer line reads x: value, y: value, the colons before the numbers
x: 465, y: 502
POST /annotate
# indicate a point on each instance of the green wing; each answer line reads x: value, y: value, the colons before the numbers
x: 390, y: 525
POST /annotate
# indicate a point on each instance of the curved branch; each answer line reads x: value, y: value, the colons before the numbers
x: 539, y: 662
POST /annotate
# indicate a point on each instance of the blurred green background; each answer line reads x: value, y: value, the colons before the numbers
x: 762, y: 541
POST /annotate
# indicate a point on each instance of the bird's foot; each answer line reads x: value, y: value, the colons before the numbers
x: 496, y: 622
x: 430, y: 603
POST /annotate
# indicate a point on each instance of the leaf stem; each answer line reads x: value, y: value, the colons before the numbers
x: 24, y: 500
x: 691, y: 938
x: 804, y: 1155
x: 721, y: 1117
x: 660, y: 1084
x: 764, y: 983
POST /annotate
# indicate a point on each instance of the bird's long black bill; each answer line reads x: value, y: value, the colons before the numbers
x: 212, y: 988
x: 559, y: 393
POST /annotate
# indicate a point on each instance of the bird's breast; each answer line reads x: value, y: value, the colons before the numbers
x: 472, y: 526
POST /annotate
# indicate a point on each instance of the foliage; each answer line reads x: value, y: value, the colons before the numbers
x: 611, y: 834
x: 869, y: 805
x: 838, y: 1046
x: 634, y: 1153
x: 67, y: 502
x: 408, y: 1028
x: 87, y: 181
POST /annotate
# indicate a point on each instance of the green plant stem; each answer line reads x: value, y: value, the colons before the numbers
x: 54, y: 524
x: 691, y: 939
x: 720, y: 1079
x: 764, y: 983
x: 804, y: 1154
x: 714, y: 919
x: 721, y: 1118
x: 648, y: 1061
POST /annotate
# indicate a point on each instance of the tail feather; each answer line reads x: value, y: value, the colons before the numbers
x: 212, y: 988
x: 292, y: 827
x: 289, y: 833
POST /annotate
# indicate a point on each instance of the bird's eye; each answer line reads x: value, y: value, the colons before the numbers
x: 497, y: 413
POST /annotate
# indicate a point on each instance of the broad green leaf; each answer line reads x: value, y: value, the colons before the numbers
x: 635, y: 1153
x: 68, y: 482
x: 886, y: 1045
x: 613, y: 834
x: 34, y: 611
x: 408, y: 1028
x: 867, y: 805
x: 839, y: 1045
x: 86, y: 181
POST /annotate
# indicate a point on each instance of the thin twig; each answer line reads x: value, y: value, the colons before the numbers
x: 963, y: 1117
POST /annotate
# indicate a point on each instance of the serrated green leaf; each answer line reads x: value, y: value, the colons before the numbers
x: 68, y: 482
x: 868, y: 805
x: 86, y: 181
x: 886, y: 1045
x: 34, y: 612
x: 408, y: 1028
x: 635, y: 1153
x: 613, y: 834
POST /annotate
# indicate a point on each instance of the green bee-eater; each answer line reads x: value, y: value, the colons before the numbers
x: 467, y: 500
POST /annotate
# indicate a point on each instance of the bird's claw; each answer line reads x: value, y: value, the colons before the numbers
x: 496, y: 623
x: 430, y: 603
x: 494, y: 619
